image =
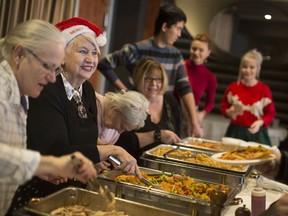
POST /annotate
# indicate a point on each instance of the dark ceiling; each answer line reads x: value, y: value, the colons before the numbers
x: 269, y: 36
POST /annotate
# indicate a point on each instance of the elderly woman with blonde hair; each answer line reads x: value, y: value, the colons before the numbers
x: 64, y: 118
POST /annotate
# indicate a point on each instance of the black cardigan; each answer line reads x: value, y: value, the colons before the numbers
x: 53, y: 124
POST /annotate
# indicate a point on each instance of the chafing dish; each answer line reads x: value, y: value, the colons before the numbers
x: 206, y: 144
x: 208, y: 173
x: 92, y: 200
x: 159, y: 198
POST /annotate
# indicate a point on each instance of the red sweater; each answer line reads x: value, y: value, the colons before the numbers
x: 256, y: 102
x: 202, y: 81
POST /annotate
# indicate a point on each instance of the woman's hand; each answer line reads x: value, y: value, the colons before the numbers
x: 200, y: 116
x: 103, y: 165
x: 128, y: 163
x: 58, y: 169
x: 169, y: 137
x: 255, y: 127
x: 197, y: 130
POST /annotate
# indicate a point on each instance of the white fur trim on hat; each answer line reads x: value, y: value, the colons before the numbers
x: 76, y: 30
x: 101, y: 40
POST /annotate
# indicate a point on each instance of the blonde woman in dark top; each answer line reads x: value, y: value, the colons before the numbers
x: 162, y: 123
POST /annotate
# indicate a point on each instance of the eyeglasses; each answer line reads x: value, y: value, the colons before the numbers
x: 151, y: 79
x: 81, y: 109
x: 44, y: 64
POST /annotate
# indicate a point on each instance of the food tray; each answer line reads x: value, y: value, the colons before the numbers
x: 215, y: 146
x: 92, y: 200
x: 160, y: 150
x: 158, y: 198
x: 167, y: 156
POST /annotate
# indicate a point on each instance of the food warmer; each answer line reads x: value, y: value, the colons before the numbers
x: 159, y: 198
x: 93, y: 201
x: 166, y: 162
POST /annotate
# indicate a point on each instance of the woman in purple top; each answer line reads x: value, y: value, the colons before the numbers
x: 201, y: 79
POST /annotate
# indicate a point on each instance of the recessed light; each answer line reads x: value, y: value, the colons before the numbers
x: 267, y: 16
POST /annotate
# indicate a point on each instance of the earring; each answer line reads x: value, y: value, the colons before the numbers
x: 17, y: 61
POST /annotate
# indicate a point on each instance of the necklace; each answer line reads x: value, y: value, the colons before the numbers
x: 102, y: 134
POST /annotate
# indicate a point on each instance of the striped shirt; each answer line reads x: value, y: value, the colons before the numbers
x: 16, y: 164
x: 170, y: 57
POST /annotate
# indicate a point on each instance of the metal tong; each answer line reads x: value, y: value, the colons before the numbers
x: 144, y: 180
x: 103, y: 190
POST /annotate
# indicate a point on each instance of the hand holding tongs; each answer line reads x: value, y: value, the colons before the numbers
x: 103, y: 190
x: 144, y: 180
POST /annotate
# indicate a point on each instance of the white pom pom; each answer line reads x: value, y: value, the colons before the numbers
x: 101, y: 40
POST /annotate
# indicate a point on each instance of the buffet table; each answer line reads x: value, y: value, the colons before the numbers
x: 245, y: 194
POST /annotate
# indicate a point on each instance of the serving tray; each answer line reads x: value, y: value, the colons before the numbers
x: 93, y: 201
x: 160, y: 198
x: 206, y: 144
x: 191, y: 159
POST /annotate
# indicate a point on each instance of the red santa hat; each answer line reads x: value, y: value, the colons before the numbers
x: 75, y: 26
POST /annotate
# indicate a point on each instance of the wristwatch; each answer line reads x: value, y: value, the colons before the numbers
x: 157, y: 136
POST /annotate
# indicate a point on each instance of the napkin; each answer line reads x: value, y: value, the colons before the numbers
x: 271, y: 184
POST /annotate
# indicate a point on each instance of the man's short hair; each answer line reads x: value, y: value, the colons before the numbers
x: 169, y: 14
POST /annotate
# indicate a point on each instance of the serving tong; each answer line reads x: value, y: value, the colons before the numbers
x: 143, y: 179
x: 175, y: 156
x: 103, y: 190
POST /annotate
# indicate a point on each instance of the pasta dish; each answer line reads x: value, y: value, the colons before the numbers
x: 202, y: 159
x: 249, y: 153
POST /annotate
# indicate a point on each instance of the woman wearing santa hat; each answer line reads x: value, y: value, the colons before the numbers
x: 64, y: 118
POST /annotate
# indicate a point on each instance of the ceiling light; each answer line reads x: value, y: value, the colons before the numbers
x: 268, y: 16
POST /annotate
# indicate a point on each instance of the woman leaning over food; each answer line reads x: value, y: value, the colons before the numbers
x: 64, y: 118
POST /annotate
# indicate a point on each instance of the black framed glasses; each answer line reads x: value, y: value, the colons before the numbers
x: 80, y: 107
x: 44, y: 64
x: 151, y: 79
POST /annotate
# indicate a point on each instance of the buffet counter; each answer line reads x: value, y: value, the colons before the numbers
x: 245, y: 194
x: 215, y: 127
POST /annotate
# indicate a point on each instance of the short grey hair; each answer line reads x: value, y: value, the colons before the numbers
x: 34, y: 35
x: 132, y: 106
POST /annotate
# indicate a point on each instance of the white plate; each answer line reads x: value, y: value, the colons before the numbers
x: 240, y: 162
x: 257, y: 144
x: 233, y: 141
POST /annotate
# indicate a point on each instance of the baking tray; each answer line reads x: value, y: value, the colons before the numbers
x: 216, y: 146
x: 159, y: 198
x: 92, y: 200
x: 167, y: 156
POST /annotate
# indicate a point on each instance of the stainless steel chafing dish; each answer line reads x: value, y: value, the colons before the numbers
x: 206, y: 144
x: 92, y: 200
x: 208, y: 173
x: 159, y: 198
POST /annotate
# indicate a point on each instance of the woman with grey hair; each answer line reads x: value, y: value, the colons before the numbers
x: 25, y: 68
x: 119, y: 112
x: 248, y: 102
